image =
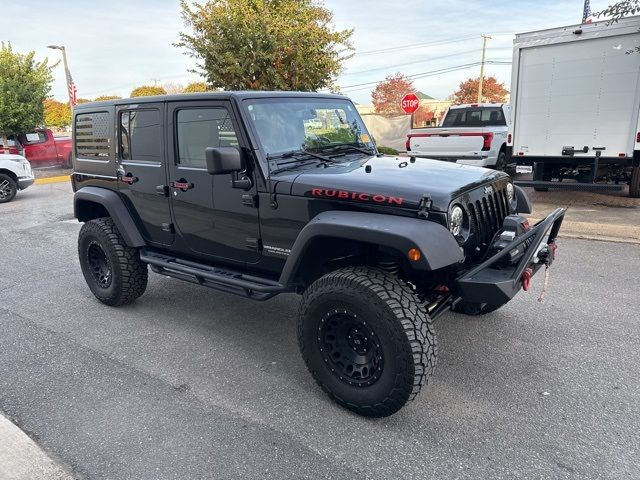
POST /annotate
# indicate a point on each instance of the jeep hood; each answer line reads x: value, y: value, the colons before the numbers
x: 392, y: 180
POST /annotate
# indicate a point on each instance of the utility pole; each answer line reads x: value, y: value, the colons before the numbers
x: 484, y: 52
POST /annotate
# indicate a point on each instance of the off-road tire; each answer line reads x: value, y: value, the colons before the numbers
x: 393, y: 315
x: 475, y: 309
x: 8, y: 187
x: 634, y: 186
x: 129, y: 275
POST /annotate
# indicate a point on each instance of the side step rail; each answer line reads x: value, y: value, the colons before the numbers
x: 214, y: 277
x: 569, y: 185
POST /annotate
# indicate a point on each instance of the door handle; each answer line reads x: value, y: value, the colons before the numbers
x: 181, y: 184
x: 128, y: 179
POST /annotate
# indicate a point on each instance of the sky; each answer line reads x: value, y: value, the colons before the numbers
x: 114, y: 46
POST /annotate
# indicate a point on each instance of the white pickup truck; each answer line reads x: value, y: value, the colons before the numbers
x: 473, y: 134
x: 15, y: 174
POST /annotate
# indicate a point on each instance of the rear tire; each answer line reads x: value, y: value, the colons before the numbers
x: 501, y: 162
x: 475, y: 309
x: 634, y: 186
x: 366, y: 340
x: 114, y: 272
x: 8, y: 188
x: 68, y: 163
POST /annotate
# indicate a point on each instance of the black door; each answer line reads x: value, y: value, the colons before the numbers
x: 142, y: 170
x: 214, y: 218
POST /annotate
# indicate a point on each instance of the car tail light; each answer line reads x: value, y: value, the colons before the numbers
x: 638, y: 137
x: 488, y: 138
x: 509, y: 138
x: 408, y: 143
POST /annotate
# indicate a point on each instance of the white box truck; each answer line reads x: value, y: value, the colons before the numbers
x: 575, y: 106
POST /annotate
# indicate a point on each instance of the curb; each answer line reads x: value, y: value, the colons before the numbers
x: 606, y: 232
x: 22, y: 459
x: 46, y: 180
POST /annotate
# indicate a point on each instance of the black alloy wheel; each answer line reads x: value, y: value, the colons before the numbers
x: 350, y: 348
x: 99, y: 264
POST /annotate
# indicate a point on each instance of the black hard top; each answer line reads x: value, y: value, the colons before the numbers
x: 224, y: 95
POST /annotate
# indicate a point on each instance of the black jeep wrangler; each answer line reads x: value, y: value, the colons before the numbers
x: 261, y: 193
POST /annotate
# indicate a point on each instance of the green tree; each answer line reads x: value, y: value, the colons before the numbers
x: 24, y: 86
x: 56, y: 114
x: 619, y: 10
x: 147, y: 91
x: 103, y: 98
x: 196, y: 87
x: 264, y: 44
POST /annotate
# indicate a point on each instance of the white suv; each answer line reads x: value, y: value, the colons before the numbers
x: 15, y: 174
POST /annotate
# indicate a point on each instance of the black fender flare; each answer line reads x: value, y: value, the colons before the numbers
x: 439, y: 248
x: 116, y: 208
x: 522, y: 201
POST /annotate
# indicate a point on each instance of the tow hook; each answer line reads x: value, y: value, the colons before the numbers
x: 526, y: 278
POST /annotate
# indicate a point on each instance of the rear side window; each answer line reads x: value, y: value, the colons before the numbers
x: 140, y: 135
x: 92, y: 135
x: 199, y: 128
x: 475, y: 117
x: 35, y: 137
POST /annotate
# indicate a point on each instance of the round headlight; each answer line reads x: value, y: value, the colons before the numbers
x: 510, y: 192
x: 456, y: 218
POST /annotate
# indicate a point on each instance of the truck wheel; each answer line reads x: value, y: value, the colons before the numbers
x: 8, y: 188
x: 113, y: 271
x: 475, y: 309
x: 366, y: 340
x: 68, y: 162
x: 634, y: 186
x: 501, y: 162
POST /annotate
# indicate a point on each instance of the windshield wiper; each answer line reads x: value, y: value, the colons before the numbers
x: 294, y: 164
x: 342, y: 146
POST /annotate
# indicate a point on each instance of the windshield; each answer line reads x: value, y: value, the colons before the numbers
x: 475, y: 117
x: 313, y: 124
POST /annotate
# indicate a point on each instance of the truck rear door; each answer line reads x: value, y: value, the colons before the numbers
x: 578, y: 93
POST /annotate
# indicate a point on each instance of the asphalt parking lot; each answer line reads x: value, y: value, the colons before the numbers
x: 191, y: 383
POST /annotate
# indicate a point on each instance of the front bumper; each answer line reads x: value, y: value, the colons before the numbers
x: 494, y: 284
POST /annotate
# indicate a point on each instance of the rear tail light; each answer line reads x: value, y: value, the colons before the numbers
x: 488, y: 138
x: 638, y: 137
x: 509, y: 138
x: 408, y: 143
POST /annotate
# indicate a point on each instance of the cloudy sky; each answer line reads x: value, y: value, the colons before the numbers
x: 114, y: 46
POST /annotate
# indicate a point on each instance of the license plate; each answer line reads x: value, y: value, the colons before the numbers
x: 524, y: 169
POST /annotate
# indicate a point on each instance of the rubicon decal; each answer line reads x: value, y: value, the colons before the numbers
x: 356, y: 196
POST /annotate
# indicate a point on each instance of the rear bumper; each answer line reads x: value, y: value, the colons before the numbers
x: 476, y: 160
x: 25, y: 182
x: 490, y: 284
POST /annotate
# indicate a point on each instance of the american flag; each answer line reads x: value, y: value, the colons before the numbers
x: 73, y: 93
x: 586, y: 13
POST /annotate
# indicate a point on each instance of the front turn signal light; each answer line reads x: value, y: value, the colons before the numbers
x: 414, y: 254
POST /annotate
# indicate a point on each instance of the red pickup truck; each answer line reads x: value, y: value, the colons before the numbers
x: 41, y: 148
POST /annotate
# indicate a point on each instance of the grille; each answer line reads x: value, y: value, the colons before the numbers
x: 486, y: 214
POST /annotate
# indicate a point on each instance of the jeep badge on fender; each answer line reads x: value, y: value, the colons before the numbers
x: 261, y: 193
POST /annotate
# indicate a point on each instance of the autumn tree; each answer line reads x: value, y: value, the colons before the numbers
x: 387, y: 95
x: 24, y: 85
x: 195, y: 87
x: 147, y: 91
x: 56, y: 114
x: 492, y: 91
x: 264, y: 44
x: 104, y: 98
x: 423, y: 116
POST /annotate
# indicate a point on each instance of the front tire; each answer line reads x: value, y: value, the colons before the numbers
x: 114, y: 272
x: 366, y: 340
x: 8, y: 188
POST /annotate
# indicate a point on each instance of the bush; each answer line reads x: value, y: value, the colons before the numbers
x: 388, y: 150
x: 147, y: 91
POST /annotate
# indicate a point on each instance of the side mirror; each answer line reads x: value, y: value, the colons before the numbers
x: 223, y: 160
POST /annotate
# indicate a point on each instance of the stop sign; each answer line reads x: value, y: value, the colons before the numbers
x: 410, y: 103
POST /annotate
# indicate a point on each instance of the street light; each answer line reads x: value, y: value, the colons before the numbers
x: 71, y: 88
